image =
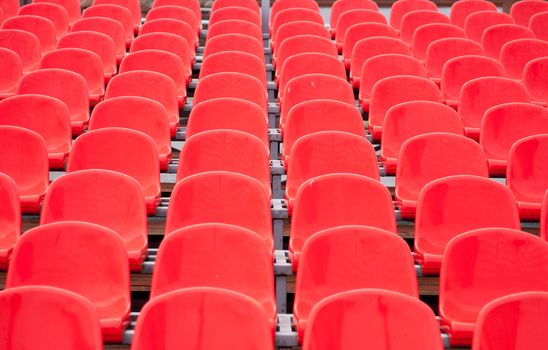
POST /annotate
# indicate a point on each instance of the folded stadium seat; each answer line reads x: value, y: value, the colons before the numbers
x: 370, y: 47
x: 221, y: 197
x: 71, y: 6
x: 9, y: 7
x: 116, y: 12
x: 10, y: 216
x: 431, y: 156
x: 296, y: 28
x: 303, y: 44
x: 24, y: 44
x: 494, y: 37
x: 385, y: 317
x: 108, y: 26
x: 292, y: 15
x: 394, y: 90
x: 234, y: 26
x: 539, y: 25
x: 359, y: 257
x: 382, y: 66
x: 413, y: 118
x: 480, y: 94
x: 477, y: 22
x: 526, y: 174
x: 124, y: 150
x: 341, y: 6
x: 45, y: 317
x: 190, y: 4
x: 207, y: 318
x: 134, y: 7
x: 401, y: 7
x: 522, y: 11
x: 43, y: 28
x: 499, y: 255
x: 314, y: 87
x: 333, y: 200
x: 173, y: 26
x: 156, y: 86
x: 236, y: 62
x: 414, y: 19
x: 225, y: 150
x: 250, y: 4
x: 234, y: 42
x: 231, y: 84
x: 505, y: 124
x: 457, y: 71
x: 47, y: 116
x: 442, y: 50
x: 137, y: 113
x: 309, y: 63
x: 235, y: 12
x: 55, y: 13
x: 165, y: 42
x: 163, y: 62
x: 228, y: 113
x: 361, y: 31
x: 80, y: 257
x: 515, y: 54
x: 535, y: 79
x: 353, y: 17
x: 175, y: 12
x: 428, y: 33
x: 461, y: 9
x: 106, y: 198
x: 12, y: 70
x: 280, y: 5
x: 465, y: 203
x: 86, y: 63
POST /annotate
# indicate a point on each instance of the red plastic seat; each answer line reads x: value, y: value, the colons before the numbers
x: 526, y: 174
x: 55, y: 13
x: 314, y: 87
x: 333, y: 200
x: 103, y: 197
x: 303, y: 44
x: 386, y: 317
x: 539, y: 25
x: 494, y: 37
x: 341, y: 6
x: 544, y: 218
x: 309, y: 63
x: 10, y: 217
x: 442, y: 50
x: 45, y: 317
x: 43, y: 28
x: 461, y: 9
x: 480, y: 94
x: 453, y: 205
x: 413, y: 118
x: 153, y: 85
x: 116, y: 12
x: 414, y: 19
x: 80, y: 257
x: 86, y: 63
x: 319, y: 115
x: 457, y: 71
x: 165, y: 42
x: 47, y: 116
x: 211, y: 318
x: 535, y: 76
x: 221, y: 197
x: 12, y: 70
x: 234, y: 42
x: 431, y: 156
x: 401, y: 7
x: 361, y: 31
x: 225, y: 150
x: 505, y: 124
x: 228, y: 113
x: 24, y: 44
x: 428, y: 33
x: 9, y: 7
x: 124, y: 150
x: 175, y: 12
x: 71, y: 6
x: 353, y: 17
x: 235, y: 62
x: 67, y: 86
x: 163, y: 62
x: 180, y: 263
x: 296, y: 28
x: 476, y: 23
x: 133, y: 6
x: 515, y: 54
x: 391, y: 91
x: 99, y: 43
x: 230, y: 84
x: 235, y: 12
x: 234, y: 26
x: 190, y: 4
x: 108, y: 26
x: 173, y: 26
x: 500, y: 256
x: 371, y: 47
x: 137, y: 113
x: 280, y: 5
x: 383, y: 66
x: 249, y: 4
x: 294, y: 14
x: 522, y: 11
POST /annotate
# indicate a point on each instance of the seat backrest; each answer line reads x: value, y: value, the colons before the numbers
x: 165, y: 42
x: 191, y: 4
x: 515, y: 54
x: 494, y: 37
x: 360, y: 31
x: 477, y: 22
x: 352, y: 17
x: 173, y: 26
x: 341, y: 6
x: 12, y: 70
x: 10, y: 218
x: 235, y: 42
x: 428, y: 33
x: 280, y: 5
x: 43, y: 28
x: 9, y: 7
x: 71, y: 6
x: 235, y: 12
x: 55, y: 13
x: 414, y: 19
x: 442, y: 50
x: 133, y: 6
x: 234, y: 61
x: 234, y: 26
x: 538, y: 24
x: 99, y: 43
x: 302, y: 44
x: 294, y: 14
x: 401, y: 8
x: 25, y: 44
x: 175, y: 12
x: 108, y: 26
x: 522, y: 11
x: 116, y: 12
x: 249, y: 4
x: 535, y: 78
x: 461, y: 9
x: 295, y: 28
